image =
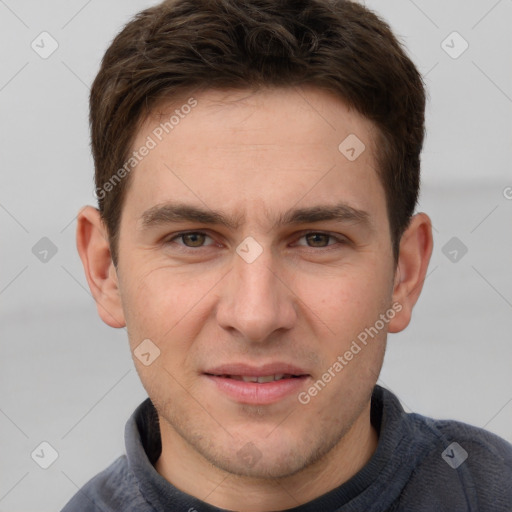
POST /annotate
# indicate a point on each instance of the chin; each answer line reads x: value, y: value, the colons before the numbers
x: 277, y: 465
x: 263, y: 458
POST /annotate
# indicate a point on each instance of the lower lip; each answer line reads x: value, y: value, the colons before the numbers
x: 258, y: 393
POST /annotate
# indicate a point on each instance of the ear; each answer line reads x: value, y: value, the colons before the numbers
x: 415, y: 252
x: 93, y: 247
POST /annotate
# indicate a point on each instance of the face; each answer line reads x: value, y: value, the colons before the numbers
x: 289, y: 263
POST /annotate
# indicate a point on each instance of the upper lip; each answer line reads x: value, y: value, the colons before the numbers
x: 256, y: 371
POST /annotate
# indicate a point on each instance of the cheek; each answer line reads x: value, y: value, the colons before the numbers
x: 160, y: 307
x: 166, y: 306
x: 346, y: 301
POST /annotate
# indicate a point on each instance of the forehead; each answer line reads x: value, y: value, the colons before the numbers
x: 270, y: 147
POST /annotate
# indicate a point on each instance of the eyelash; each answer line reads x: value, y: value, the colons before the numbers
x: 339, y: 240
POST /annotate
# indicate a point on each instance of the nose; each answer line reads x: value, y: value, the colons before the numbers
x: 257, y: 299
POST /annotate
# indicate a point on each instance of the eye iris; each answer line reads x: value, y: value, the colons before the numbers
x: 318, y: 235
x: 197, y: 239
x: 192, y: 236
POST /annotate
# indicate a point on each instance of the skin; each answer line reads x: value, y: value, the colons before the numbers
x: 303, y: 300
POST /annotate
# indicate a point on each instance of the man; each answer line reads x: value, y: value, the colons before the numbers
x: 257, y: 169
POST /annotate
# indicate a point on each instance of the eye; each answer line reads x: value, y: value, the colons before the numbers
x: 319, y: 239
x: 191, y: 239
x: 315, y: 240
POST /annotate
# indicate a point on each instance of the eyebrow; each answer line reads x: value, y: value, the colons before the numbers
x: 181, y: 212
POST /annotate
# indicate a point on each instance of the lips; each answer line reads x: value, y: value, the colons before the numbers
x: 257, y: 385
x: 244, y: 370
x: 260, y: 379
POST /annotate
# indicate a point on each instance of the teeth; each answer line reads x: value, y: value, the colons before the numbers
x: 249, y: 379
x: 264, y: 378
x: 268, y: 378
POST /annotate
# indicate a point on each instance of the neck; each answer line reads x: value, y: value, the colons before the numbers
x: 191, y: 473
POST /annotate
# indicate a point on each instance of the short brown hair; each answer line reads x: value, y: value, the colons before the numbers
x: 337, y: 45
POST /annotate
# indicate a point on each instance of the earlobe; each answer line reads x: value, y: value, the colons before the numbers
x: 415, y: 252
x: 93, y: 248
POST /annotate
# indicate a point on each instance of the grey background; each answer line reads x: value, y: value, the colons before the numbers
x: 68, y: 379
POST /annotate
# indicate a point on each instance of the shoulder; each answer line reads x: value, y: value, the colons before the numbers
x: 115, y: 488
x: 462, y: 464
x: 478, y: 447
x: 483, y: 440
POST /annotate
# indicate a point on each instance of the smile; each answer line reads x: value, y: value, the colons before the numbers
x: 262, y: 379
x: 262, y: 385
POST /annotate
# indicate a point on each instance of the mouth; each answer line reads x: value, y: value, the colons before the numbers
x: 258, y: 385
x: 259, y: 379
